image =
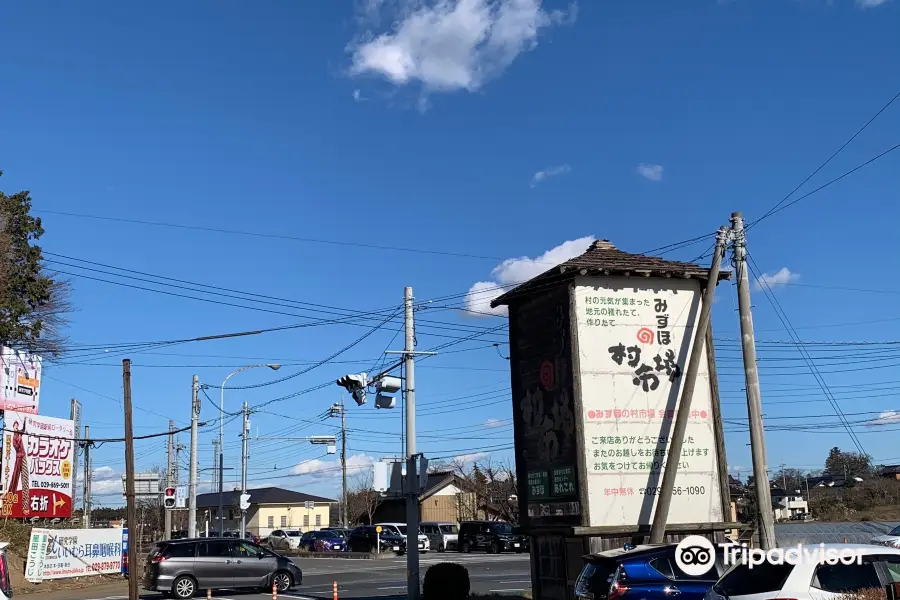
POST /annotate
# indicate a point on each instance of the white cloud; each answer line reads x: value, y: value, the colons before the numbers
x: 324, y: 469
x: 772, y: 280
x: 470, y: 458
x: 105, y: 473
x: 357, y: 96
x: 107, y: 487
x: 870, y: 3
x: 885, y: 418
x: 549, y: 172
x: 650, y: 171
x: 491, y: 423
x: 450, y: 45
x: 513, y: 271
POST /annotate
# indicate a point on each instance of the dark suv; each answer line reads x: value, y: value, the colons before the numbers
x: 644, y: 573
x: 182, y: 568
x: 367, y: 538
x: 493, y: 536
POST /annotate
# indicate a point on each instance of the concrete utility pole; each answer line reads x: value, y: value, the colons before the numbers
x: 86, y: 501
x: 412, y: 492
x: 337, y: 410
x: 170, y: 477
x: 245, y: 456
x: 658, y: 529
x: 131, y: 508
x: 192, y: 483
x: 765, y: 516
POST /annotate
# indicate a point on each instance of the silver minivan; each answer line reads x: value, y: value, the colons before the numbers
x: 443, y: 536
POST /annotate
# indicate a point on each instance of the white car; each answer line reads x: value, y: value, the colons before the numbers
x: 810, y: 579
x: 890, y: 539
x: 400, y: 529
x: 284, y: 538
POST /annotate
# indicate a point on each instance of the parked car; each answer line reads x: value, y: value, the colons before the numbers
x: 323, y: 541
x: 400, y: 529
x: 492, y: 536
x: 344, y: 533
x: 6, y: 591
x: 443, y: 536
x: 642, y: 572
x: 181, y: 568
x: 810, y: 578
x: 284, y: 539
x: 890, y: 539
x: 367, y: 539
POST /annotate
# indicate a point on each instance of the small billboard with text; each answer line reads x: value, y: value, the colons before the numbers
x: 20, y: 381
x: 37, y: 467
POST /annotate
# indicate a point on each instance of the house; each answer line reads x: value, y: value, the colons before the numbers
x: 890, y: 471
x: 270, y: 508
x: 787, y: 504
x: 445, y: 499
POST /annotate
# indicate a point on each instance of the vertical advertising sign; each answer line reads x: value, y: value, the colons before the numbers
x: 634, y: 340
x: 20, y: 381
x: 75, y: 415
x: 37, y: 467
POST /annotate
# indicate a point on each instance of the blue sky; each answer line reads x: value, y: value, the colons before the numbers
x: 493, y: 130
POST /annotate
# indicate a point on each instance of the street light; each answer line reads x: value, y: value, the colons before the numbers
x: 274, y: 367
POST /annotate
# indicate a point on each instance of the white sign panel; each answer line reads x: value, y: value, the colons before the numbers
x: 37, y: 549
x: 80, y: 552
x: 181, y: 496
x: 634, y: 342
x: 20, y: 373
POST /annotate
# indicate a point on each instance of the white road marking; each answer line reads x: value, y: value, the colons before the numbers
x: 393, y: 587
x: 509, y: 590
x: 293, y: 596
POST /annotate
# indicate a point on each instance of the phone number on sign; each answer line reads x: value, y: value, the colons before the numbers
x: 691, y: 490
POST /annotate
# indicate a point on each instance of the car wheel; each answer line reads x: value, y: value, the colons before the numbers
x: 495, y: 548
x: 465, y: 548
x: 283, y: 581
x: 184, y: 587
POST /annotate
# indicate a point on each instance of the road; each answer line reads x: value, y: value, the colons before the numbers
x: 358, y: 579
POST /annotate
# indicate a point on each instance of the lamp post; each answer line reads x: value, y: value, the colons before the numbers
x: 274, y: 367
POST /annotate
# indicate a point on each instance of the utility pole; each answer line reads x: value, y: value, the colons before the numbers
x: 412, y: 492
x: 245, y: 456
x: 192, y: 482
x: 86, y: 501
x: 765, y: 516
x: 131, y: 512
x: 661, y: 515
x: 783, y: 478
x: 338, y: 410
x: 170, y: 476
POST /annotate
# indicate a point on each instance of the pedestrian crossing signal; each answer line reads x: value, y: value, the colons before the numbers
x: 169, y: 500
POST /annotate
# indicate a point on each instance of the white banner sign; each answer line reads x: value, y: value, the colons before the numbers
x: 633, y: 346
x: 74, y: 553
x: 20, y: 388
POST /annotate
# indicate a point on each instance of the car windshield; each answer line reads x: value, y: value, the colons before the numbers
x: 293, y: 533
x: 449, y: 529
x: 742, y: 580
x: 401, y: 529
x: 895, y: 531
x: 501, y: 528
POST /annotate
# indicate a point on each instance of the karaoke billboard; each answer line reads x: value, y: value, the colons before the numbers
x: 38, y: 454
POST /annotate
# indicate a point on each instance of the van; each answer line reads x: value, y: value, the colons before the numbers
x: 443, y: 536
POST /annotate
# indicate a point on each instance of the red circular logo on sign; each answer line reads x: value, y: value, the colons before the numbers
x: 548, y: 374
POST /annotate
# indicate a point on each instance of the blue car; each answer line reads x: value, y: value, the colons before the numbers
x: 642, y: 573
x: 323, y: 541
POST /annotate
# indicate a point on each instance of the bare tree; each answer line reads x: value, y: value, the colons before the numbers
x: 362, y: 499
x: 491, y: 492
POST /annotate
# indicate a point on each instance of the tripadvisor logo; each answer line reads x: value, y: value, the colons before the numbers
x: 695, y: 555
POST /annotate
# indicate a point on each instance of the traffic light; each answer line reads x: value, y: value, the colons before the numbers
x: 387, y: 386
x: 356, y: 385
x: 169, y: 500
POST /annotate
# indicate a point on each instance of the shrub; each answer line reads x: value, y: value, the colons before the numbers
x: 867, y: 594
x: 446, y: 581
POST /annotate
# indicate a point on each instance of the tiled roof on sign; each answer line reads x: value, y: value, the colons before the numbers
x: 603, y: 258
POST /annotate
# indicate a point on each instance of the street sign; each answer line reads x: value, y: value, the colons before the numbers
x: 245, y: 501
x: 309, y: 504
x: 378, y: 529
x: 181, y: 496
